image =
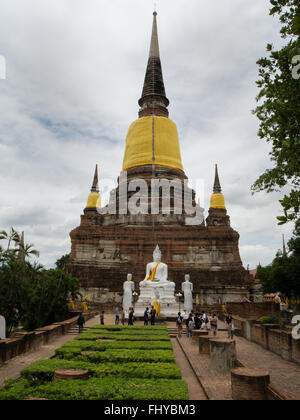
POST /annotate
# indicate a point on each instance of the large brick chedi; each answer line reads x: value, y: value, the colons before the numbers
x: 120, y: 238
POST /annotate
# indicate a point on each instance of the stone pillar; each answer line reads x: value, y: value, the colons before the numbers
x: 249, y: 384
x: 222, y: 355
x: 204, y: 346
x: 196, y: 334
x: 70, y: 374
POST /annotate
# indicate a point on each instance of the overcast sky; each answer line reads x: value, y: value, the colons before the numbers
x: 75, y: 71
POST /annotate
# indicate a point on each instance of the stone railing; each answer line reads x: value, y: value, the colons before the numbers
x: 25, y: 342
x: 253, y: 310
x: 270, y: 337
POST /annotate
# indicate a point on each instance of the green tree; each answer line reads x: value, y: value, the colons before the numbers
x: 47, y: 295
x: 62, y: 262
x: 279, y: 114
x: 30, y: 295
x: 282, y: 275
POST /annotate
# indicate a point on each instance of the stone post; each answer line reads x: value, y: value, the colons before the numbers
x: 249, y: 384
x: 196, y: 334
x: 204, y: 347
x: 70, y: 374
x: 222, y: 355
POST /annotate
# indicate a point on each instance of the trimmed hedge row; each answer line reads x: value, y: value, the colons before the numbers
x: 43, y: 370
x: 131, y: 329
x: 99, y: 389
x: 101, y: 346
x: 117, y: 356
x: 124, y: 337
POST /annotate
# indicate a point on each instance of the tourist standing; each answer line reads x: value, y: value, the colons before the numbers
x: 117, y: 319
x: 131, y: 316
x: 152, y: 315
x: 229, y: 323
x: 146, y: 317
x: 102, y: 318
x: 190, y: 327
x: 80, y: 323
x: 179, y: 324
x: 204, y: 321
x: 197, y: 321
x: 186, y: 320
x: 214, y: 324
x: 123, y: 318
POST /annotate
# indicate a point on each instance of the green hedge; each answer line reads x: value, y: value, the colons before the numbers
x: 269, y: 320
x: 43, y: 370
x: 124, y: 337
x: 100, y: 346
x: 117, y: 356
x: 130, y: 329
x: 99, y: 389
x: 138, y: 365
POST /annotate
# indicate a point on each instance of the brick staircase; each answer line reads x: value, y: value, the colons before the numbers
x: 173, y: 332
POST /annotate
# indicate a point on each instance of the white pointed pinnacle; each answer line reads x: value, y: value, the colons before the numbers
x: 154, y: 47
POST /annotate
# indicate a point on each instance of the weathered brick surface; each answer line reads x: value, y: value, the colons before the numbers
x: 105, y: 247
x: 296, y: 351
x: 249, y: 384
x: 254, y: 311
x: 222, y: 354
x: 262, y: 334
x: 280, y: 342
x: 204, y: 346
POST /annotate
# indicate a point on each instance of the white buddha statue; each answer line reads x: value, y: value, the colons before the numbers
x: 128, y: 288
x: 156, y: 271
x: 187, y: 288
x: 156, y: 287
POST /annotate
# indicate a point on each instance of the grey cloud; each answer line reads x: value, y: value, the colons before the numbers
x: 74, y: 75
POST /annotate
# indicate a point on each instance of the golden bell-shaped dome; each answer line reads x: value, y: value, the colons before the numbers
x: 94, y: 200
x: 217, y: 201
x: 152, y: 140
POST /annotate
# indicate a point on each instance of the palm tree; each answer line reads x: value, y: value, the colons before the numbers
x: 13, y: 235
x: 26, y: 250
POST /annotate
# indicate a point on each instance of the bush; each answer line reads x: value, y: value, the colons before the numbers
x: 99, y: 389
x: 153, y: 329
x: 101, y: 346
x: 43, y: 370
x: 268, y: 320
x: 136, y: 366
x: 124, y: 337
x: 155, y: 356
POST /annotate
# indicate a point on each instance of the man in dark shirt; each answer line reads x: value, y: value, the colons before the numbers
x: 229, y: 324
x: 80, y: 323
x: 102, y: 318
x: 146, y: 316
x: 131, y: 316
x: 152, y: 315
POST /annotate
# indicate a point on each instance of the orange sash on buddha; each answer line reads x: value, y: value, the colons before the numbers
x: 152, y: 276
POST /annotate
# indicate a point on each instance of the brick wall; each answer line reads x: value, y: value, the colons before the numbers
x: 280, y: 342
x: 30, y: 341
x: 254, y: 310
x: 296, y: 351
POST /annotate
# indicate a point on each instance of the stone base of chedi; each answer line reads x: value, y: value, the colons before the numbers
x: 103, y: 253
x: 166, y: 298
